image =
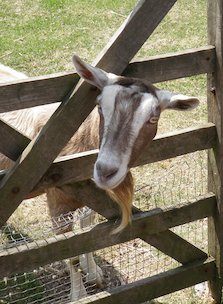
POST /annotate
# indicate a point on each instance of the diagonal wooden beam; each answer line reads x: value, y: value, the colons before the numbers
x: 41, y: 152
x: 168, y: 242
x: 175, y: 246
x: 12, y: 142
x: 42, y: 252
x: 137, y: 28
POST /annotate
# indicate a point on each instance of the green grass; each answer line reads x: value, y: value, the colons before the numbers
x: 40, y: 36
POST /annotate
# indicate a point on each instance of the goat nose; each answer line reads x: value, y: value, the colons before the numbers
x: 105, y: 171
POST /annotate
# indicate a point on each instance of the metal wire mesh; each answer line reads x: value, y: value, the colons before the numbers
x: 160, y: 185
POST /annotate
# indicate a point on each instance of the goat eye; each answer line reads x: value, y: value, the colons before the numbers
x: 153, y: 120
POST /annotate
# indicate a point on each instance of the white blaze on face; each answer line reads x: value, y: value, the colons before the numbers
x: 124, y: 116
x: 107, y: 104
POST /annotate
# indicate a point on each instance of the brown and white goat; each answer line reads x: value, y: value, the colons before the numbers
x: 124, y: 121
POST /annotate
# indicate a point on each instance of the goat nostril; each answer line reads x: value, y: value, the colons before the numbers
x: 111, y: 173
x: 98, y: 166
x: 105, y: 171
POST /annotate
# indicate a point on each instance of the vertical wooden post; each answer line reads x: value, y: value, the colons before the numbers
x: 215, y: 166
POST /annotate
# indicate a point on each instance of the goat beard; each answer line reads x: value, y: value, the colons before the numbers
x: 123, y: 195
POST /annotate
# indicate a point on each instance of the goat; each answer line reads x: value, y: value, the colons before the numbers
x: 124, y: 121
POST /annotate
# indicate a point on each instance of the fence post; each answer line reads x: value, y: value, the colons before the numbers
x: 215, y: 157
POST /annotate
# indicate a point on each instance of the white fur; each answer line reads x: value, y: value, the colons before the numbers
x: 7, y: 74
x: 113, y: 157
x: 168, y: 100
x: 108, y: 104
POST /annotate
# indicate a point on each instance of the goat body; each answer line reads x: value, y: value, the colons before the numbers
x: 30, y: 122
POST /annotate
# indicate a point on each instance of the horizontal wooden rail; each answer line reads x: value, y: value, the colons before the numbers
x: 79, y: 166
x: 156, y: 286
x: 52, y: 88
x: 167, y: 241
x: 174, y: 65
x: 39, y: 253
x: 165, y: 146
x: 36, y: 91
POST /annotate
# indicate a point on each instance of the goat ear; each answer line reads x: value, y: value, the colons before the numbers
x: 180, y: 102
x: 92, y: 75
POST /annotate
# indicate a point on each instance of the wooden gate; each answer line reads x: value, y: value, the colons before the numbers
x: 36, y: 158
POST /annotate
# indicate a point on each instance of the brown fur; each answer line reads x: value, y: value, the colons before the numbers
x: 123, y: 195
x: 30, y: 122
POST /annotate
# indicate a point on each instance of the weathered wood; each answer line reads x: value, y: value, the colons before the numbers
x: 167, y: 241
x: 78, y: 167
x: 176, y: 247
x: 215, y: 113
x: 35, y: 91
x: 174, y: 65
x: 41, y: 152
x: 104, y: 205
x: 39, y: 253
x: 165, y: 146
x: 155, y: 286
x: 12, y: 142
x: 121, y: 51
x: 52, y: 88
x: 178, y: 143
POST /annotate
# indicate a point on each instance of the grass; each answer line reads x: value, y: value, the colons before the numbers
x: 40, y: 37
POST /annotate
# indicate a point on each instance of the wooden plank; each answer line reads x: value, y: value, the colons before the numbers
x: 36, y: 91
x: 174, y: 65
x: 215, y: 113
x: 104, y: 205
x: 41, y: 152
x: 155, y: 286
x: 79, y: 167
x: 39, y: 253
x: 41, y: 90
x: 176, y: 247
x: 12, y: 142
x: 167, y: 241
x: 178, y: 143
x: 118, y: 49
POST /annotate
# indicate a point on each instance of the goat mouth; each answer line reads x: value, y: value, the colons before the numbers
x: 108, y: 183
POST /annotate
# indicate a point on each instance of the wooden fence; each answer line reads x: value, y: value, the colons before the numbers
x: 35, y: 158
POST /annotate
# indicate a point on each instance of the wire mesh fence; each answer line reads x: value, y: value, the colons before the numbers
x: 162, y: 184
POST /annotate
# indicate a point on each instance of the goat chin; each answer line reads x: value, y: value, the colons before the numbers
x: 123, y: 195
